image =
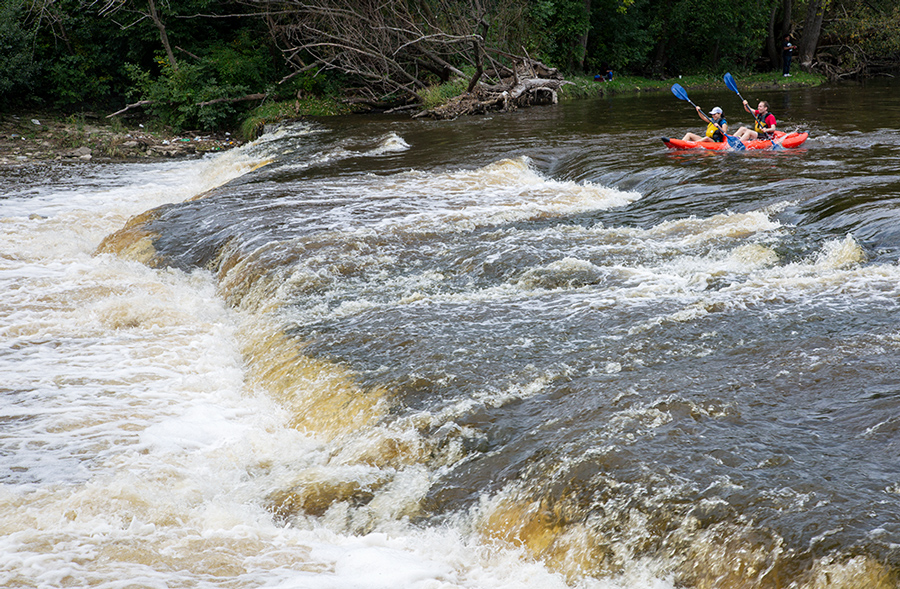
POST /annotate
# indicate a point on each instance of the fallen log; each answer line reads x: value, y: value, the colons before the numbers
x: 519, y: 92
x: 468, y: 103
x: 533, y: 84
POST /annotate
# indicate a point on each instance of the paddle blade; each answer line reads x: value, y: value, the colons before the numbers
x: 735, y: 143
x: 729, y: 81
x: 679, y: 92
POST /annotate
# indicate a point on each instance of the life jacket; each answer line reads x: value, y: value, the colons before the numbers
x: 713, y: 132
x: 758, y: 127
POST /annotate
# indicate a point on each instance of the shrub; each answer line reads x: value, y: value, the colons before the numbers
x: 18, y: 69
x: 438, y: 94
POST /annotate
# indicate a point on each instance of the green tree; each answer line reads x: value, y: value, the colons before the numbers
x: 619, y: 36
x: 65, y: 56
x: 18, y: 66
x: 207, y: 88
x: 664, y: 37
x: 862, y: 38
x: 565, y: 25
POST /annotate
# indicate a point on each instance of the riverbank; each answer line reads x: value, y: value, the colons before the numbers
x: 585, y: 87
x: 30, y: 136
x: 26, y: 137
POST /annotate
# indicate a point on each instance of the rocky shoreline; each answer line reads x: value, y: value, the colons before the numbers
x: 29, y: 138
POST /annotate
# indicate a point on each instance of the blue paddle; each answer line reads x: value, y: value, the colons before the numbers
x: 729, y: 81
x: 733, y: 142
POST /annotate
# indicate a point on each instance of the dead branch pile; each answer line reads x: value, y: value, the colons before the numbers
x: 530, y: 83
x: 399, y: 49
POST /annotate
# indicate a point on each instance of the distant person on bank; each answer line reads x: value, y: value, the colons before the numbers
x: 716, y: 128
x: 606, y: 76
x: 786, y: 51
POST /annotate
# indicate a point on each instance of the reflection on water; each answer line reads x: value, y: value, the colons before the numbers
x: 530, y: 349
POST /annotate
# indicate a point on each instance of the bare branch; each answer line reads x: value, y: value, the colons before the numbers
x: 396, y: 48
x: 130, y: 106
x: 187, y: 52
x: 247, y: 98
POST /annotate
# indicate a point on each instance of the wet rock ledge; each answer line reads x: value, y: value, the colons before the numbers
x: 33, y: 137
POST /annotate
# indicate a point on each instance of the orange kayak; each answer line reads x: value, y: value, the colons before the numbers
x: 785, y: 140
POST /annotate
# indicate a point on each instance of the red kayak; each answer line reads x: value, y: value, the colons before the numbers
x: 785, y: 140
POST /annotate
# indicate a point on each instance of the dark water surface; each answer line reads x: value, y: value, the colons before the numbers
x: 539, y: 331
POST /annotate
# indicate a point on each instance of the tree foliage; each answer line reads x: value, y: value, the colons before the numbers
x: 18, y: 68
x: 862, y: 39
x: 203, y: 63
x: 566, y: 22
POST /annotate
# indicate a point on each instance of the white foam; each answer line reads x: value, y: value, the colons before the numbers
x: 133, y: 452
x: 390, y: 143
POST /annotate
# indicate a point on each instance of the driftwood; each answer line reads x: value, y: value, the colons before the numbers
x: 397, y: 50
x: 520, y: 89
x: 130, y: 106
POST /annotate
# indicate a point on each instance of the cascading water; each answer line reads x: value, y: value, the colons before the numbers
x: 502, y: 351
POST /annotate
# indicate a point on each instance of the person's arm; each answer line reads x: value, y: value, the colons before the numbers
x: 770, y: 123
x: 703, y: 116
x: 747, y: 108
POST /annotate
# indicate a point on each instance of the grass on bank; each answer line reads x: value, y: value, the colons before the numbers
x: 587, y: 87
x: 440, y: 94
x: 273, y: 112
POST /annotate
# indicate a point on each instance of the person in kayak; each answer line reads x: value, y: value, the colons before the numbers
x: 764, y: 123
x: 716, y: 128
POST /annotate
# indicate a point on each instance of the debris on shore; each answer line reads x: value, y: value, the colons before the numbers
x: 34, y: 137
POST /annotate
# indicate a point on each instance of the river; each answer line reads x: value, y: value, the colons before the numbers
x: 531, y: 349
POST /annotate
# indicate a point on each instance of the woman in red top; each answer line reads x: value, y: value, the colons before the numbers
x: 764, y: 126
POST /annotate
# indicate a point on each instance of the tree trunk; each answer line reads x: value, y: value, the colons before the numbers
x: 660, y: 55
x: 771, y: 52
x: 775, y: 38
x: 583, y: 41
x: 162, y: 34
x: 812, y: 28
x: 478, y: 55
x: 788, y: 6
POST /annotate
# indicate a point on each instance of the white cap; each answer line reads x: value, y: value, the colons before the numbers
x: 716, y: 111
